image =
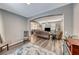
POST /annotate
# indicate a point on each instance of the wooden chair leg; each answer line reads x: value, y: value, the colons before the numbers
x: 7, y: 47
x: 0, y: 49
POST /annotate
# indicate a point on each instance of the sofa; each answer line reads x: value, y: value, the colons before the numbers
x: 36, y: 34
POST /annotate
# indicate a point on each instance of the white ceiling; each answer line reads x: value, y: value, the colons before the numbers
x: 30, y: 10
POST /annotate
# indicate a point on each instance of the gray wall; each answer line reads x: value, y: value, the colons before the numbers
x: 68, y: 19
x: 76, y: 19
x: 14, y: 25
x: 1, y: 27
x: 67, y: 11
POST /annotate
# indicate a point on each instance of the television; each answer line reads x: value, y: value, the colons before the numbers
x: 47, y: 29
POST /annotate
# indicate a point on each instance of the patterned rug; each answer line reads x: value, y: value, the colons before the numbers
x: 31, y: 49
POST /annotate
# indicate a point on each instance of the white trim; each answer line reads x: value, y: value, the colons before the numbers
x: 16, y: 43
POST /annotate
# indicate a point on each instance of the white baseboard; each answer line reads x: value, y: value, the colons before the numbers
x: 16, y: 43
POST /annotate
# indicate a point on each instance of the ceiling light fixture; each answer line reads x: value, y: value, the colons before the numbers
x: 28, y: 2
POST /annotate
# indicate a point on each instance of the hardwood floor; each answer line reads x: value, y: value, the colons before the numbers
x: 12, y: 48
x: 51, y: 45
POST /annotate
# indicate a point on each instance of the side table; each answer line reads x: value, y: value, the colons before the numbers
x: 3, y: 45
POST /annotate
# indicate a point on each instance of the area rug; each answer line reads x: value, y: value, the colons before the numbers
x: 31, y: 49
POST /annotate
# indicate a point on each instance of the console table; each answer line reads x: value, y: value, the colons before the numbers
x: 73, y: 46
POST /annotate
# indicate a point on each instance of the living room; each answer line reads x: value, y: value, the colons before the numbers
x: 18, y: 27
